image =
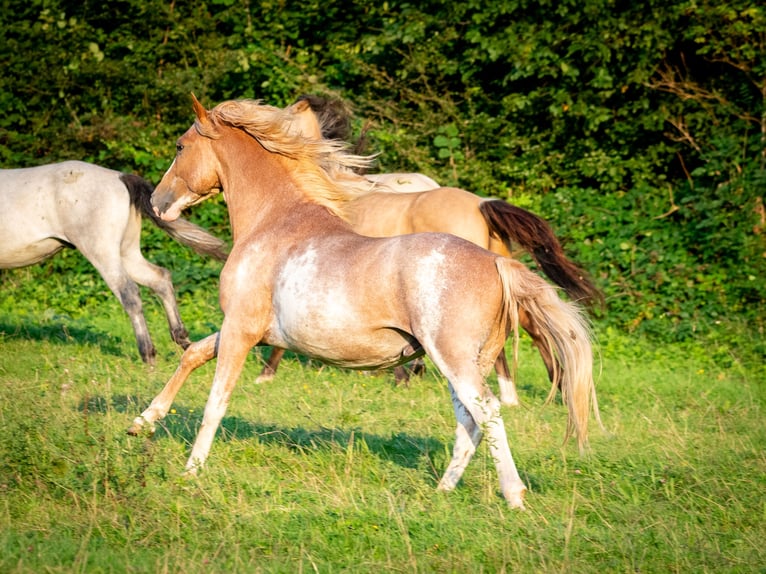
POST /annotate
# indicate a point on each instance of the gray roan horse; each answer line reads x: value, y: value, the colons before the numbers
x: 98, y: 211
x: 298, y: 277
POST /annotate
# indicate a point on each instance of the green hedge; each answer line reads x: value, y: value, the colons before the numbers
x: 637, y: 129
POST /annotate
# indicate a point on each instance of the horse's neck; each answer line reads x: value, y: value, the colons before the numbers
x: 261, y: 194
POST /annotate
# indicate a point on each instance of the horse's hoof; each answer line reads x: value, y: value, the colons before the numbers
x: 191, y: 472
x: 516, y: 499
x: 263, y: 378
x: 141, y: 426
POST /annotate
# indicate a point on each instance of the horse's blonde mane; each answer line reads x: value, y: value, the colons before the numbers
x: 322, y: 169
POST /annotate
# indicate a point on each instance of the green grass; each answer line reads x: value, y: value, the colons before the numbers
x: 325, y: 470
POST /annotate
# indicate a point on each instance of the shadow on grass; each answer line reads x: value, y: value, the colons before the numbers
x: 64, y: 334
x: 182, y: 424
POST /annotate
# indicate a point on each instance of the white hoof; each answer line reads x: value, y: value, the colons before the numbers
x: 516, y: 499
x: 513, y: 402
x: 141, y: 426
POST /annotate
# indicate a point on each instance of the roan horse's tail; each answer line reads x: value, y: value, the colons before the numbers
x: 564, y: 329
x: 181, y: 230
x: 534, y: 235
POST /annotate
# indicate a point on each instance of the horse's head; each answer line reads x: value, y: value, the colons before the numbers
x: 304, y: 121
x: 319, y: 117
x: 193, y: 175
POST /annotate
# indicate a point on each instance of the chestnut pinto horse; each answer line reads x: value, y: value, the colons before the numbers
x: 298, y: 277
x: 421, y: 205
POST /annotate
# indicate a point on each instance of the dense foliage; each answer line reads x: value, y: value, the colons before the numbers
x: 637, y: 129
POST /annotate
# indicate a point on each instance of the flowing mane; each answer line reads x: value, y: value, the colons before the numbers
x: 323, y: 169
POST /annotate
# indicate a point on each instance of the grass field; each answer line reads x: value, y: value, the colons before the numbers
x: 325, y: 470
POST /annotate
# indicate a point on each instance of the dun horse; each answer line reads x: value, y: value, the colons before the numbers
x: 298, y: 277
x: 421, y: 205
x: 98, y: 211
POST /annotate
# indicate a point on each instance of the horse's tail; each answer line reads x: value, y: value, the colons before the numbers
x: 565, y: 330
x: 181, y: 230
x: 534, y: 235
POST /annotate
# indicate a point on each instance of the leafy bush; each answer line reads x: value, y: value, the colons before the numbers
x: 637, y: 129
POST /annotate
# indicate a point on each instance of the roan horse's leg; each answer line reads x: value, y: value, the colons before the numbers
x: 158, y: 279
x: 196, y: 355
x: 508, y: 394
x: 475, y: 415
x: 129, y: 296
x: 233, y: 349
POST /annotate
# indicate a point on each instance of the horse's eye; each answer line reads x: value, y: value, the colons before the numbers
x: 179, y: 147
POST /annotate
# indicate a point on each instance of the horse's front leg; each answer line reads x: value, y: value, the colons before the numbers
x: 233, y: 349
x: 196, y: 355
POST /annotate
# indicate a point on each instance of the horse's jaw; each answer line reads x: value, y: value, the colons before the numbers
x: 170, y: 214
x: 168, y: 207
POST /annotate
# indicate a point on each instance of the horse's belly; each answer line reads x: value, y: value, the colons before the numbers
x: 15, y: 253
x: 353, y: 343
x: 328, y: 326
x: 354, y: 353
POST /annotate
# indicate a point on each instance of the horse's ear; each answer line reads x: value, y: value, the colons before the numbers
x: 300, y: 106
x: 199, y: 109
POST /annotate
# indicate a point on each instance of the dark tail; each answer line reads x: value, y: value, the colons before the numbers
x: 181, y: 230
x: 534, y: 235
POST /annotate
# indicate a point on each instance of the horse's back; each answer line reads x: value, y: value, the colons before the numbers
x: 39, y: 187
x: 403, y: 182
x: 49, y: 206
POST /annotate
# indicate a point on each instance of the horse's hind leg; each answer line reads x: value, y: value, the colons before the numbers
x: 195, y: 355
x: 129, y: 296
x: 270, y: 368
x: 158, y: 279
x: 467, y: 438
x: 508, y: 394
x: 477, y: 411
x: 546, y: 353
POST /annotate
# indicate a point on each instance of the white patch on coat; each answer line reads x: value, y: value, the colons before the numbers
x: 305, y: 303
x: 431, y: 286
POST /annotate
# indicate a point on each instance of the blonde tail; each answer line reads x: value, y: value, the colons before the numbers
x: 565, y: 330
